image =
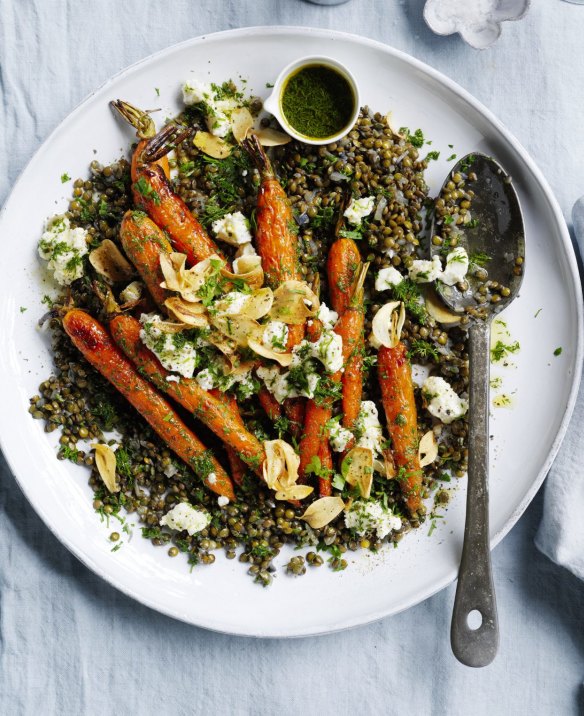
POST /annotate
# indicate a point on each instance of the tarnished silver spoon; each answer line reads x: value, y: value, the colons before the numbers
x: 497, y: 235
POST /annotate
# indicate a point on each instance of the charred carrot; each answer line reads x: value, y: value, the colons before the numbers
x: 343, y: 265
x: 154, y: 194
x: 145, y: 130
x: 216, y: 414
x: 96, y: 345
x: 275, y: 238
x: 143, y: 243
x: 397, y: 392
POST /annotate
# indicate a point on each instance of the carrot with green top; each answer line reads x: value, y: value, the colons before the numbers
x: 217, y: 413
x: 397, y: 392
x: 98, y: 348
x: 144, y: 243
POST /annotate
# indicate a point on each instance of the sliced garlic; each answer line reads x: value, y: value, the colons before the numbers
x: 295, y: 492
x: 323, y: 511
x: 193, y: 315
x: 186, y: 282
x: 105, y: 461
x: 428, y: 449
x: 290, y: 303
x: 237, y: 328
x: 212, y: 146
x: 387, y: 325
x: 110, y: 263
x: 438, y: 310
x: 272, y: 137
x: 280, y: 468
x: 247, y: 269
x: 284, y: 359
x: 241, y: 123
x: 358, y: 469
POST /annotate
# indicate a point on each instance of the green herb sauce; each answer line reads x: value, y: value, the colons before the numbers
x: 317, y: 101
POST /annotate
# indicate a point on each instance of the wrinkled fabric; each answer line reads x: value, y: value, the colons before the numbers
x: 70, y: 643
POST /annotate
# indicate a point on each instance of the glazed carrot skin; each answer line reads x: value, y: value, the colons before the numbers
x: 269, y: 404
x: 236, y: 464
x: 96, y: 345
x: 217, y: 414
x: 397, y: 392
x: 275, y: 240
x: 343, y: 264
x: 325, y: 487
x: 143, y: 243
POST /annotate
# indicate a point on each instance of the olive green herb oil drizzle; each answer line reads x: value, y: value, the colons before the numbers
x: 317, y: 101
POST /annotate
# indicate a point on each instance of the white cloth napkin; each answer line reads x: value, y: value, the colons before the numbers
x: 561, y: 532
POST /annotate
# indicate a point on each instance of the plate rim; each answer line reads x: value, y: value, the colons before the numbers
x: 571, y: 265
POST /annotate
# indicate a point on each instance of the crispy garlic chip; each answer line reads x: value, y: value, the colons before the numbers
x: 105, y: 461
x: 110, y: 263
x: 323, y: 511
x: 280, y: 471
x: 256, y: 305
x: 290, y: 303
x: 248, y: 269
x: 357, y: 469
x: 428, y: 449
x: 186, y: 282
x: 272, y: 137
x: 236, y: 328
x: 212, y: 146
x: 284, y: 359
x: 436, y: 308
x: 189, y: 314
x: 387, y: 325
x: 241, y: 122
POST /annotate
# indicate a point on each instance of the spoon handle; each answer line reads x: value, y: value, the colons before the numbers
x: 475, y: 591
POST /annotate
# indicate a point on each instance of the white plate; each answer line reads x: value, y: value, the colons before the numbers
x: 525, y: 438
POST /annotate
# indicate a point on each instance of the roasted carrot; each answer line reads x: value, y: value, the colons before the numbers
x: 343, y: 265
x: 154, y: 194
x: 145, y: 130
x: 96, y: 345
x: 275, y: 238
x: 143, y: 243
x: 236, y: 464
x: 325, y: 487
x: 269, y: 404
x: 218, y: 415
x: 397, y: 392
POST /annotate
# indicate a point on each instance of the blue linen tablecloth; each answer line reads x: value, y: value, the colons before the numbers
x: 70, y: 643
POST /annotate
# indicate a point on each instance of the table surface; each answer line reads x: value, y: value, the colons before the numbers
x: 70, y: 643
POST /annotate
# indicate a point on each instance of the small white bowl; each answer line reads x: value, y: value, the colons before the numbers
x: 273, y: 104
x: 477, y: 21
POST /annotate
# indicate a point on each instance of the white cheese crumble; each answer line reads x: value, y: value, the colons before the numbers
x: 366, y: 517
x: 279, y: 386
x: 217, y: 111
x: 275, y: 336
x: 456, y: 267
x: 328, y: 349
x: 184, y: 517
x: 205, y: 379
x: 243, y: 250
x: 212, y: 478
x: 222, y: 501
x: 339, y: 437
x: 442, y: 402
x: 387, y: 278
x: 132, y: 292
x: 358, y: 209
x: 368, y: 427
x: 173, y: 356
x: 172, y: 379
x: 327, y: 316
x: 64, y: 249
x: 233, y: 229
x: 422, y: 271
x: 233, y: 302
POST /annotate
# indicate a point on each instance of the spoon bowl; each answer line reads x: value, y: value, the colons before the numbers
x: 494, y: 240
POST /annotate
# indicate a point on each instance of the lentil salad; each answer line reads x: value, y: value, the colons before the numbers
x: 374, y: 161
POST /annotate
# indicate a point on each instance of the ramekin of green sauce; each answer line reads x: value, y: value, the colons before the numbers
x: 315, y: 99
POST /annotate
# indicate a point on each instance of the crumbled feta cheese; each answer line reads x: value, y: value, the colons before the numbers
x: 64, y: 249
x: 372, y: 516
x: 217, y: 111
x: 456, y: 267
x: 205, y: 379
x: 170, y: 470
x: 368, y: 427
x: 339, y: 437
x: 327, y: 316
x: 234, y: 302
x: 329, y: 351
x: 358, y: 209
x: 425, y: 271
x: 212, y: 478
x: 387, y: 278
x: 178, y: 357
x: 233, y: 229
x: 184, y: 517
x: 442, y: 402
x: 275, y: 336
x: 279, y: 386
x: 222, y: 501
x: 172, y: 379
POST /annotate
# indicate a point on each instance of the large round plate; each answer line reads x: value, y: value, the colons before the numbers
x: 525, y: 438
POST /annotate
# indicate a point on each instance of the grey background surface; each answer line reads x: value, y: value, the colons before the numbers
x: 71, y: 644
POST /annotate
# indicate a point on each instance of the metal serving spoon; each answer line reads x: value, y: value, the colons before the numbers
x: 497, y: 235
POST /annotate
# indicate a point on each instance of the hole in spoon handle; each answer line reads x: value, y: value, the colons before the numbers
x: 475, y: 590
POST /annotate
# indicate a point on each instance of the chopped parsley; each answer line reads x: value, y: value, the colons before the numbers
x: 65, y: 178
x: 150, y: 194
x: 432, y: 156
x: 451, y: 157
x: 558, y: 351
x: 479, y: 258
x: 409, y: 292
x: 416, y: 139
x: 500, y: 350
